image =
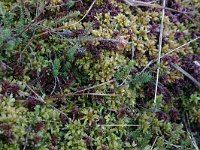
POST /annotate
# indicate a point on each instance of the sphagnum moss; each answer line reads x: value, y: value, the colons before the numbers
x: 59, y: 54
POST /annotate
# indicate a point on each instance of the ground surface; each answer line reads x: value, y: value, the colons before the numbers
x: 103, y: 74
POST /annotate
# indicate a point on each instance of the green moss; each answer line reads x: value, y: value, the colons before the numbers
x: 48, y: 56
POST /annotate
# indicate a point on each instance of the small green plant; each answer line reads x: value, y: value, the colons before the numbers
x: 78, y: 75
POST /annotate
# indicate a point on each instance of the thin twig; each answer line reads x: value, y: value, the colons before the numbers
x: 54, y: 87
x: 123, y: 82
x: 82, y: 94
x: 119, y: 125
x: 4, y: 65
x: 147, y: 66
x: 187, y: 124
x: 95, y: 86
x: 159, y: 50
x: 178, y: 48
x: 154, y: 143
x: 186, y: 74
x: 58, y: 81
x: 87, y: 12
x: 28, y: 26
x: 32, y: 22
x: 168, y: 143
x: 63, y: 96
x: 39, y: 98
x: 77, y: 93
x: 147, y: 4
x: 132, y: 51
x: 166, y: 54
x: 27, y: 136
x: 191, y: 19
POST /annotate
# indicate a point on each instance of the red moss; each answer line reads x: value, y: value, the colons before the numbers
x: 37, y: 139
x: 76, y: 113
x: 150, y: 91
x: 154, y: 29
x: 93, y: 49
x: 195, y: 34
x: 54, y: 139
x: 39, y: 126
x: 8, y: 88
x: 189, y: 65
x: 179, y: 35
x: 106, y: 7
x: 103, y: 147
x: 18, y: 70
x: 96, y: 24
x: 174, y: 114
x: 77, y: 33
x: 122, y: 112
x: 47, y: 81
x: 107, y: 45
x: 64, y: 119
x: 7, y: 135
x: 101, y: 121
x: 88, y: 140
x: 32, y: 102
x: 162, y: 116
x: 171, y: 59
x: 80, y: 6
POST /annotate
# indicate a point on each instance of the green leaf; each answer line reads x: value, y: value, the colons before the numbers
x: 70, y: 3
x: 195, y: 98
x: 57, y: 64
x: 67, y: 66
x: 140, y: 80
x: 10, y: 45
x: 55, y: 73
x: 124, y: 71
x: 71, y: 53
x: 2, y: 10
x: 56, y: 67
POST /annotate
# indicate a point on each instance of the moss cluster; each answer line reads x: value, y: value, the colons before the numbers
x: 103, y: 69
x: 70, y: 81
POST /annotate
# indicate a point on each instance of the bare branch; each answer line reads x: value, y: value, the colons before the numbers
x: 159, y: 50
